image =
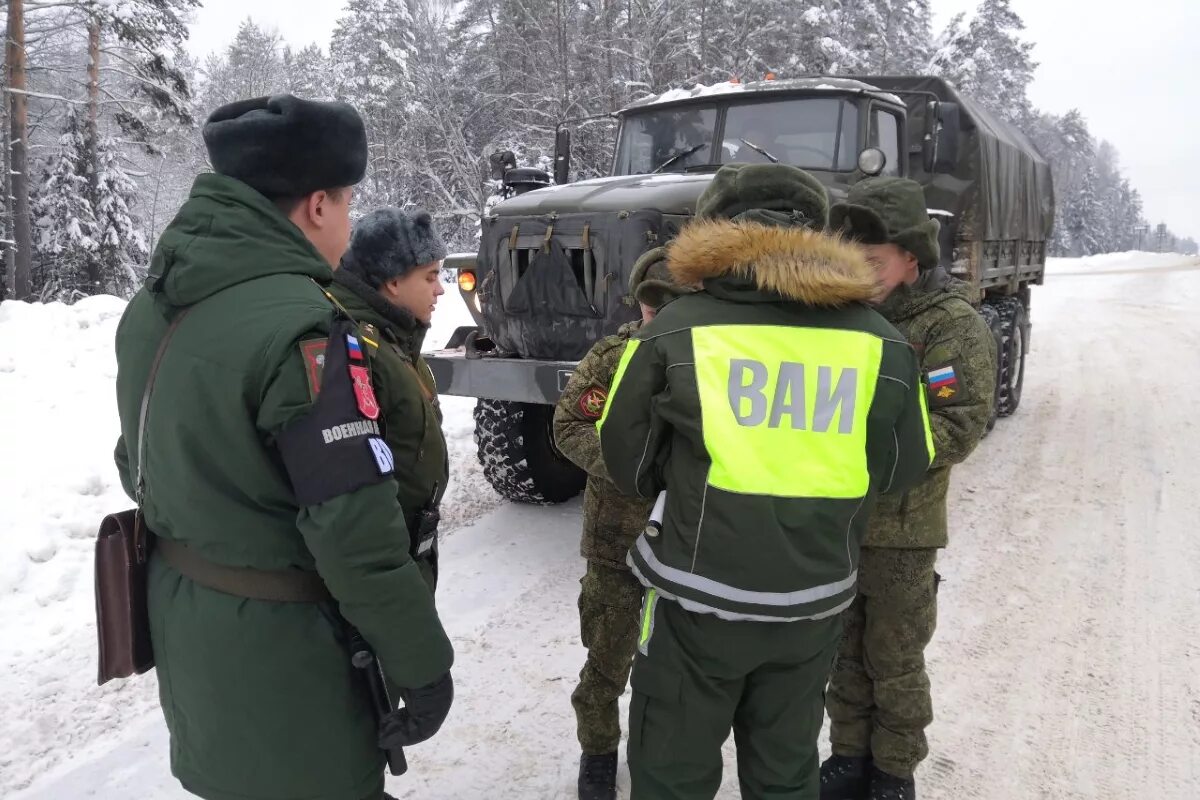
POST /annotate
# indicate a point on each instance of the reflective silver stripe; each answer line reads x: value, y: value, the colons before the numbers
x: 725, y: 592
x: 426, y: 546
x: 736, y: 616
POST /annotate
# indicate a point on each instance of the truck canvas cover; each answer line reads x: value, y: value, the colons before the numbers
x: 1001, y: 188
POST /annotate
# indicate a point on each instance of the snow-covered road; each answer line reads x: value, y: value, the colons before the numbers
x: 1066, y: 664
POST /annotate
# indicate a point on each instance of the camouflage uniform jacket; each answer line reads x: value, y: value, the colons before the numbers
x: 958, y: 355
x: 611, y: 520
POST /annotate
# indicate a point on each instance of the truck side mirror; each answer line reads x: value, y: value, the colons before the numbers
x: 941, y: 153
x: 562, y: 156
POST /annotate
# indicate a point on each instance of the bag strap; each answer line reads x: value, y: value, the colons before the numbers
x: 140, y: 484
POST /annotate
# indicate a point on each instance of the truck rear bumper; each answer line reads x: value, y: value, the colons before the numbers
x: 516, y: 379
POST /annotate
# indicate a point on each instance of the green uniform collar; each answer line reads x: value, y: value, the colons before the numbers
x: 369, y: 307
x: 933, y: 286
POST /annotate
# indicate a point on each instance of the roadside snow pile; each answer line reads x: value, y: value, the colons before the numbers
x: 57, y: 479
x: 1132, y: 261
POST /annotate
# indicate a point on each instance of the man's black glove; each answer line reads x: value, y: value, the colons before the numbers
x: 424, y: 711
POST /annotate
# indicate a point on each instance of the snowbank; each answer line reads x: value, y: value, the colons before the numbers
x: 57, y: 479
x: 1121, y: 262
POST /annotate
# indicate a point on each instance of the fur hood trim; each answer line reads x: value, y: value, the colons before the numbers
x: 797, y: 263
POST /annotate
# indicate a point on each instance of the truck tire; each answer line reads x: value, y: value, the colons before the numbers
x: 516, y: 448
x: 1011, y: 379
x: 991, y: 315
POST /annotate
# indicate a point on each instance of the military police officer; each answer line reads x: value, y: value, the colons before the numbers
x: 389, y: 281
x: 266, y: 479
x: 772, y: 407
x: 879, y: 701
x: 609, y: 594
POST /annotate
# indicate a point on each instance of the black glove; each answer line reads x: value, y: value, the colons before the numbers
x: 424, y: 711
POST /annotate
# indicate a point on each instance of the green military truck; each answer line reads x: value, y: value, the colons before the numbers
x: 551, y: 275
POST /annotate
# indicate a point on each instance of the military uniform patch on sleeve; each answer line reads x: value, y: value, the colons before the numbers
x: 384, y: 459
x: 944, y: 387
x: 364, y: 392
x: 337, y: 446
x: 591, y: 402
x: 313, y: 351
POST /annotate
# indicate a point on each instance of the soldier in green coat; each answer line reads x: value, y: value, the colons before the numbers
x: 389, y: 282
x: 264, y: 468
x: 772, y: 407
x: 609, y: 594
x: 878, y: 699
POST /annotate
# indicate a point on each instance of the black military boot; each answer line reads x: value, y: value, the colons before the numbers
x: 885, y: 786
x: 845, y: 778
x: 598, y: 777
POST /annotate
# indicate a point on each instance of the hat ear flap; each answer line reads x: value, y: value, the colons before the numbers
x: 858, y: 223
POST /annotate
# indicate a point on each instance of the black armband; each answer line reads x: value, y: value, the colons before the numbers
x: 337, y: 447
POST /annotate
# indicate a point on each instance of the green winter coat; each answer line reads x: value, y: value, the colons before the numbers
x: 259, y: 697
x: 411, y: 417
x: 945, y: 330
x: 612, y: 520
x: 728, y: 401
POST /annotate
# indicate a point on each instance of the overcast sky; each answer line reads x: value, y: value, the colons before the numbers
x: 1133, y: 69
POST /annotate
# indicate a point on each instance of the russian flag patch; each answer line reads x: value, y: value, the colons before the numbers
x: 353, y: 348
x: 945, y: 376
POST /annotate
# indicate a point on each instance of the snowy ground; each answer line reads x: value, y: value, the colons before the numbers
x: 1066, y: 663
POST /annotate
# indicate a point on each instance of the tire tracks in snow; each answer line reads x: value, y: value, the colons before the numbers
x: 1064, y: 666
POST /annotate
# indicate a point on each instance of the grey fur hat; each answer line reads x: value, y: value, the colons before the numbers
x: 389, y: 243
x: 287, y: 147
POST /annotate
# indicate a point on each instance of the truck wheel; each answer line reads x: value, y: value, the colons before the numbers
x: 991, y: 315
x: 1012, y: 355
x: 516, y: 449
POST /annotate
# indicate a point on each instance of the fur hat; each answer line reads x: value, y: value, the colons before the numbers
x: 778, y: 195
x: 650, y: 281
x: 283, y: 146
x: 889, y: 211
x: 389, y: 243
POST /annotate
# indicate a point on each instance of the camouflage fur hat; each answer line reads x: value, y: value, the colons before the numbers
x: 779, y: 195
x: 889, y: 211
x: 651, y: 283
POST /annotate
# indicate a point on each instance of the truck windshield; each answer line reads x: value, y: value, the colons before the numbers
x: 808, y: 132
x: 650, y: 141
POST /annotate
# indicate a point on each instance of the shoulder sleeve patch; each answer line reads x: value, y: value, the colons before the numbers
x: 313, y: 351
x: 591, y: 403
x: 336, y: 448
x: 944, y: 385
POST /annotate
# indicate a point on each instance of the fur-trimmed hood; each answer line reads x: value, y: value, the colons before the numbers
x: 796, y: 263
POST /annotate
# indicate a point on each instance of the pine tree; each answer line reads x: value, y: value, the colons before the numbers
x: 64, y: 241
x: 87, y: 240
x: 251, y: 66
x: 144, y: 39
x: 121, y: 246
x: 371, y: 46
x: 989, y: 61
x: 308, y: 73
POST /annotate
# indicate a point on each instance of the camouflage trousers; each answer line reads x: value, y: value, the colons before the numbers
x: 609, y: 602
x: 878, y: 699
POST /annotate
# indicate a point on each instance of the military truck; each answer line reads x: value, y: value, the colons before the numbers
x: 551, y: 275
